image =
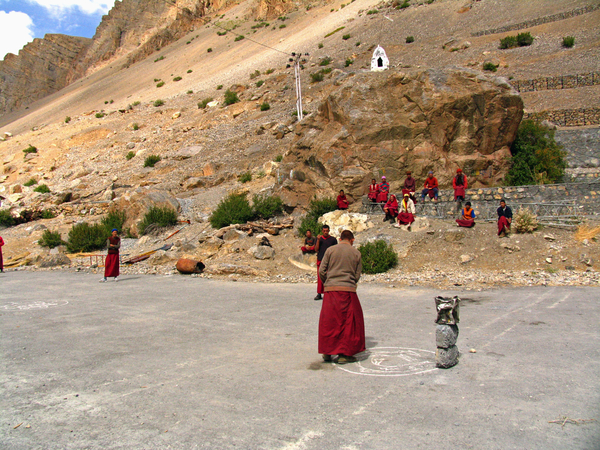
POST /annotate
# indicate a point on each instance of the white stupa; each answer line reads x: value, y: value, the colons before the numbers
x: 379, y: 61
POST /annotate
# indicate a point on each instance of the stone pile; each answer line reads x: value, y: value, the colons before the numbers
x: 446, y: 332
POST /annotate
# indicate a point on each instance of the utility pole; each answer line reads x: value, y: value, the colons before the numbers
x: 297, y: 68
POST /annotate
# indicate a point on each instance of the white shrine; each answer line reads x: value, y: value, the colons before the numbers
x: 379, y: 61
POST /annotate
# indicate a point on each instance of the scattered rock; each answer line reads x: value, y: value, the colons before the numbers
x: 510, y: 247
x: 549, y: 260
x: 53, y: 260
x: 465, y: 259
x: 262, y: 252
x: 454, y: 235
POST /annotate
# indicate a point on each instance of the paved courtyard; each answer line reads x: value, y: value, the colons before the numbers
x: 182, y: 363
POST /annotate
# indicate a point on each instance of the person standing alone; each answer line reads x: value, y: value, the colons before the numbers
x: 324, y: 241
x: 341, y: 323
x: 111, y: 264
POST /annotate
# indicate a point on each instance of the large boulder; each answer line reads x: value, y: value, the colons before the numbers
x: 341, y: 220
x: 392, y: 121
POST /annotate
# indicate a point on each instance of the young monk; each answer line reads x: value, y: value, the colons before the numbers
x: 384, y: 190
x: 406, y: 216
x: 309, y: 243
x: 373, y: 190
x: 410, y: 186
x: 324, y: 241
x: 459, y: 183
x: 391, y: 209
x: 111, y: 264
x: 431, y: 187
x: 504, y: 219
x: 342, y: 201
x: 467, y: 218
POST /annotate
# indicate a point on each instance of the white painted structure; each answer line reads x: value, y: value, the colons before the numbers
x: 379, y: 61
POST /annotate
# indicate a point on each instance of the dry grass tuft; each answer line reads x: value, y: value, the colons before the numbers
x: 586, y: 232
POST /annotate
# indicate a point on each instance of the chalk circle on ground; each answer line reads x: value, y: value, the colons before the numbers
x: 15, y: 306
x: 392, y: 362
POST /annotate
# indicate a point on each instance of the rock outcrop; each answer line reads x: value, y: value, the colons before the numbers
x: 375, y: 123
x: 41, y: 68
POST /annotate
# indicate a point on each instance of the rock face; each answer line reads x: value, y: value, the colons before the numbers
x: 41, y: 68
x: 392, y: 121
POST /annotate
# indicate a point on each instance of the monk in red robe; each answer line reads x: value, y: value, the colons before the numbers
x: 467, y: 218
x: 459, y: 183
x: 406, y: 215
x: 431, y: 187
x: 1, y: 260
x: 342, y: 201
x: 391, y: 209
x: 111, y: 264
x: 341, y: 323
x: 373, y: 190
x: 504, y: 219
x: 410, y: 186
x: 384, y: 190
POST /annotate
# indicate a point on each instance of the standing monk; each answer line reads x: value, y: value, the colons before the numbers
x: 342, y: 201
x: 324, y: 241
x: 410, y: 186
x: 373, y: 190
x: 1, y: 260
x: 111, y: 264
x: 459, y: 183
x: 431, y: 187
x: 504, y: 219
x: 341, y: 324
x: 384, y: 190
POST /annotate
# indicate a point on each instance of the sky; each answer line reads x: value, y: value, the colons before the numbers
x: 23, y: 20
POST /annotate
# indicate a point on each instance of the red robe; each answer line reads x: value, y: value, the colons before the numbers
x: 469, y: 218
x: 111, y: 264
x: 341, y: 324
x: 404, y: 217
x: 459, y: 190
x: 1, y: 260
x: 384, y: 189
x: 342, y: 202
x: 392, y: 207
x: 373, y: 191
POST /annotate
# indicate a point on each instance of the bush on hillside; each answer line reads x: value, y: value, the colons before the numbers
x: 50, y: 239
x: 508, y: 42
x: 235, y: 208
x: 266, y: 206
x: 151, y: 160
x: 568, y: 41
x: 6, y: 218
x: 42, y: 189
x: 30, y: 149
x: 157, y: 217
x: 316, y: 209
x: 30, y: 182
x: 245, y: 177
x: 524, y: 39
x: 377, y: 257
x: 230, y: 98
x: 84, y: 237
x: 204, y: 103
x: 114, y: 219
x: 490, y: 66
x: 536, y: 157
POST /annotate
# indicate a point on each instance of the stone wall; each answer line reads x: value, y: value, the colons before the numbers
x: 557, y: 82
x: 567, y: 117
x: 582, y: 147
x: 538, y: 21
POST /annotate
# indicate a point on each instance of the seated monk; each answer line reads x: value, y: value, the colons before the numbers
x: 467, y: 218
x: 384, y: 190
x: 309, y: 243
x: 410, y: 186
x: 391, y: 209
x: 504, y: 219
x: 431, y: 187
x: 342, y: 201
x: 406, y: 216
x: 373, y: 190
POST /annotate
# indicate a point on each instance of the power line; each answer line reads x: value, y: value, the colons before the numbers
x: 250, y: 39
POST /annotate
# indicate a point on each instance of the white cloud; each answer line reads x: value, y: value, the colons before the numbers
x: 86, y: 6
x: 15, y: 32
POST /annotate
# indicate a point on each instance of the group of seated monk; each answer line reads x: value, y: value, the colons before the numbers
x: 404, y: 212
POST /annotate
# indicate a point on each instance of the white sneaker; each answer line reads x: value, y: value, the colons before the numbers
x: 103, y: 280
x: 116, y: 279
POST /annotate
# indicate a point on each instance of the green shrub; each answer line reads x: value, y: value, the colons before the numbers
x: 410, y: 39
x: 160, y: 58
x: 371, y: 12
x: 50, y: 239
x: 278, y: 158
x: 189, y: 71
x: 114, y: 219
x: 404, y: 5
x: 230, y: 98
x: 42, y: 189
x: 568, y: 41
x: 325, y: 61
x: 316, y: 209
x: 84, y: 237
x: 6, y: 218
x: 509, y: 42
x: 349, y: 62
x: 320, y: 45
x: 204, y: 103
x: 151, y: 160
x: 68, y: 118
x: 536, y: 157
x: 316, y: 77
x: 309, y: 223
x: 346, y: 37
x: 525, y: 221
x: 377, y: 257
x: 283, y: 18
x: 235, y: 208
x: 221, y: 33
x: 30, y: 149
x: 135, y: 127
x: 255, y: 74
x: 219, y: 87
x: 177, y: 79
x: 245, y: 177
x: 283, y: 25
x: 30, y: 182
x: 239, y: 37
x: 158, y: 103
x: 157, y: 217
x: 334, y: 31
x: 47, y: 214
x: 100, y: 115
x: 357, y: 44
x: 136, y: 103
x: 524, y: 39
x: 265, y: 106
x: 161, y: 84
x: 270, y: 71
x: 266, y: 206
x: 259, y: 83
x: 490, y: 66
x: 130, y: 155
x: 209, y: 50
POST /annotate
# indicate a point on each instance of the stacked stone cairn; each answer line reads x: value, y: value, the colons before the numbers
x: 446, y: 331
